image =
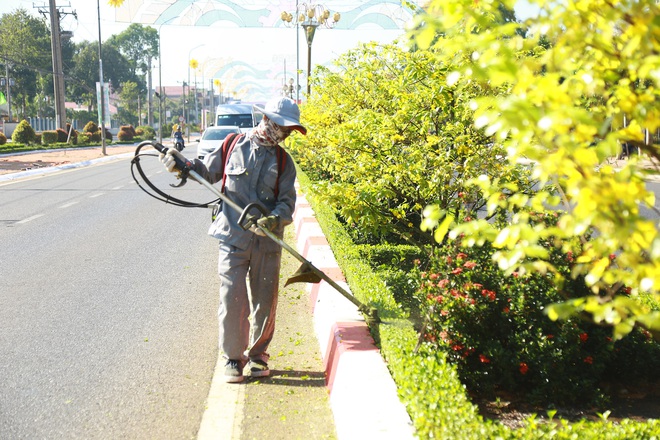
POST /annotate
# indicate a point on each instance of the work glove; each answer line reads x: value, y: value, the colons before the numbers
x: 168, y: 160
x: 269, y: 222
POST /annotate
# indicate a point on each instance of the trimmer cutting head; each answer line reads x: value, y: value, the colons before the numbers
x: 304, y: 274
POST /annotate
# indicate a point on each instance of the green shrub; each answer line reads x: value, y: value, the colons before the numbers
x: 126, y: 133
x: 94, y: 136
x: 83, y: 138
x: 49, y: 137
x: 146, y: 132
x: 74, y: 134
x: 91, y: 127
x: 74, y: 137
x: 427, y: 383
x: 494, y: 329
x: 3, y: 138
x: 24, y: 133
x: 62, y: 135
x: 394, y: 263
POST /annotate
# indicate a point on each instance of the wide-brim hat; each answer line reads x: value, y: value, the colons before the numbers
x: 284, y: 112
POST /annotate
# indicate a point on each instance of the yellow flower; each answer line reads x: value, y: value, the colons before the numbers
x: 115, y: 3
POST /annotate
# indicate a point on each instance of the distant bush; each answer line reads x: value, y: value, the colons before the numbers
x: 62, y: 135
x: 74, y: 137
x: 3, y: 138
x: 93, y: 136
x: 90, y: 127
x: 146, y: 132
x: 83, y: 138
x: 74, y: 134
x: 24, y: 133
x: 49, y: 137
x: 126, y: 133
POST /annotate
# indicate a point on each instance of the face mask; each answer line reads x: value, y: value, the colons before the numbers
x: 270, y: 134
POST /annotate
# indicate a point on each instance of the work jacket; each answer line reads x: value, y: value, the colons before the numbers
x: 252, y: 176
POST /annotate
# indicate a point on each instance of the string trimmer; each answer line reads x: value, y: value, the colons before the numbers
x: 307, y: 273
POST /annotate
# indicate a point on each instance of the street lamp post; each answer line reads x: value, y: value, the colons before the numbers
x: 288, y: 89
x: 310, y: 29
x: 310, y: 17
x: 194, y: 65
x: 189, y: 65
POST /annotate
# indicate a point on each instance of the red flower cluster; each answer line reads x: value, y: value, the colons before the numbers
x: 488, y: 294
x: 523, y: 368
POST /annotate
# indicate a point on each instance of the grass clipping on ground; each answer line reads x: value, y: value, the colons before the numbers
x: 292, y: 403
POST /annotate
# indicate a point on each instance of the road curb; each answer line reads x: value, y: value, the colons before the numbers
x: 363, y: 395
x: 53, y: 169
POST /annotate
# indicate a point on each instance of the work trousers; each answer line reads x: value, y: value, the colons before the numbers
x: 246, y: 315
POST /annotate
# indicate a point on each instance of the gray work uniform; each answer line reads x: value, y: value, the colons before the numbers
x: 251, y: 176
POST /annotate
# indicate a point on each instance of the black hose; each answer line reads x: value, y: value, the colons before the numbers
x: 162, y: 196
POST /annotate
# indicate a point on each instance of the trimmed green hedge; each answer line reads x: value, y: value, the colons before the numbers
x: 427, y: 385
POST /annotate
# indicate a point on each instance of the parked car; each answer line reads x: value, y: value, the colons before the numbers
x: 212, y: 138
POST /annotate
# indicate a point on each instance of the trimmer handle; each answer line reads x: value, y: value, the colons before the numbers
x: 180, y: 164
x: 184, y: 166
x: 251, y: 219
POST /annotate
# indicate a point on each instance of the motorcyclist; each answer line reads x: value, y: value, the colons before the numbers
x: 178, y: 137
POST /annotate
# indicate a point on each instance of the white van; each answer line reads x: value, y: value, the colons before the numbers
x: 239, y: 115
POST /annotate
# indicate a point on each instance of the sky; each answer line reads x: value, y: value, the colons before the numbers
x: 243, y: 43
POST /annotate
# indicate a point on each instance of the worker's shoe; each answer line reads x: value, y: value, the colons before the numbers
x: 234, y: 371
x: 259, y: 368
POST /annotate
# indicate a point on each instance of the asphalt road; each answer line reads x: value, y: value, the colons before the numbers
x: 107, y: 307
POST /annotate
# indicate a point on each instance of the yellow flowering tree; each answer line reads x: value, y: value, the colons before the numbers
x: 589, y: 86
x: 392, y: 136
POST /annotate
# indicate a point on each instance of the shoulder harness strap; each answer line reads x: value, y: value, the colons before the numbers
x: 227, y: 147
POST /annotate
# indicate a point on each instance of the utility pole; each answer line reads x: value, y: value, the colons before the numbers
x: 56, y: 49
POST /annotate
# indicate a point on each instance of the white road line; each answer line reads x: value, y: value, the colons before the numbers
x: 118, y: 187
x: 224, y: 408
x: 29, y: 219
x: 67, y: 205
x: 96, y: 195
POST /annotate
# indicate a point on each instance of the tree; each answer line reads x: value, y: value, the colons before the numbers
x: 128, y: 108
x: 393, y: 135
x: 116, y: 70
x: 139, y: 44
x: 563, y: 111
x: 25, y: 50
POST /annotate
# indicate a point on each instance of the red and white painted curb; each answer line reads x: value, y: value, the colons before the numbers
x: 363, y: 395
